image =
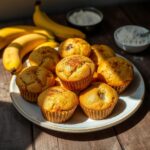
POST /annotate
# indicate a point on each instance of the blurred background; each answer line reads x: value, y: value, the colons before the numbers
x: 17, y: 9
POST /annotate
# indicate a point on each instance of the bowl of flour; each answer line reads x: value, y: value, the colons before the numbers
x: 86, y: 18
x: 129, y: 38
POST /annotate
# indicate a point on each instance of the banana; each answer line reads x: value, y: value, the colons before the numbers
x: 17, y: 49
x: 39, y: 30
x: 60, y: 31
x: 8, y: 34
x: 51, y: 43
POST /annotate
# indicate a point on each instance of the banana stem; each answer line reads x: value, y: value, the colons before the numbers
x: 37, y: 2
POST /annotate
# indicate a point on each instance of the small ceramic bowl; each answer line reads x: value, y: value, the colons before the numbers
x: 86, y: 27
x: 130, y: 47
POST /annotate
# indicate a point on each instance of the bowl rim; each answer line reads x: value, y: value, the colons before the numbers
x: 90, y: 8
x: 136, y: 26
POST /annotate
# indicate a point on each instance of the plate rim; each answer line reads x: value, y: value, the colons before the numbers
x: 85, y: 130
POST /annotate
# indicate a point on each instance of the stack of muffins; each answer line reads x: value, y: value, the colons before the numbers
x: 78, y: 74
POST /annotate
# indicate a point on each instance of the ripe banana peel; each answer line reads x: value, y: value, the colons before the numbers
x: 34, y: 29
x: 8, y: 34
x: 17, y: 49
x: 60, y: 31
x: 50, y: 43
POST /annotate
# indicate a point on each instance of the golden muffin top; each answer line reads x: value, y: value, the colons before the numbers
x: 57, y: 99
x: 74, y: 46
x: 35, y: 79
x: 45, y: 57
x: 74, y: 68
x: 101, y: 53
x: 116, y: 71
x: 98, y: 96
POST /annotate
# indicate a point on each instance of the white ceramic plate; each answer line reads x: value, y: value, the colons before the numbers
x: 128, y: 104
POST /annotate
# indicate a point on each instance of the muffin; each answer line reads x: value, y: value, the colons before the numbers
x: 32, y: 81
x: 57, y: 104
x: 75, y: 72
x: 100, y: 53
x: 116, y: 72
x: 98, y: 101
x: 45, y: 57
x: 74, y: 46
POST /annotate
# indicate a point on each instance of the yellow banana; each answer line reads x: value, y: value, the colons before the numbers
x: 21, y: 66
x: 8, y: 34
x: 50, y: 43
x: 17, y: 49
x: 39, y: 30
x: 62, y: 32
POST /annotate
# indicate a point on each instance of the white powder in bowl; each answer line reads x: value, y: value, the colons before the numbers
x: 129, y: 35
x: 85, y: 18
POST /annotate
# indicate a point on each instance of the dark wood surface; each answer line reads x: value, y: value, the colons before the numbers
x: 17, y: 133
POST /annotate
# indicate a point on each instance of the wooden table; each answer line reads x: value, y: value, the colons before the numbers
x: 17, y: 133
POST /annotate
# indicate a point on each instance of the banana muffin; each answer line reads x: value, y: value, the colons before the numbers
x: 32, y: 81
x: 100, y: 53
x: 75, y: 72
x: 74, y: 46
x: 98, y: 101
x: 45, y: 57
x: 116, y: 72
x: 57, y: 104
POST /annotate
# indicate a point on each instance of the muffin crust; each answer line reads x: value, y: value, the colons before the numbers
x: 98, y: 101
x: 74, y: 46
x: 35, y: 79
x: 116, y: 72
x: 100, y: 53
x: 45, y: 57
x: 74, y: 68
x: 57, y: 99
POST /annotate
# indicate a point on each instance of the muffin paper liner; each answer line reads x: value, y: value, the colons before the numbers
x: 30, y: 97
x: 120, y: 89
x: 59, y: 116
x: 98, y: 114
x: 78, y: 85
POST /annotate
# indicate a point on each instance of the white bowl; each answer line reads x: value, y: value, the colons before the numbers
x: 128, y: 47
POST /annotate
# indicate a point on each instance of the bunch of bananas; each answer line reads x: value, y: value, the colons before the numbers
x: 20, y: 40
x: 60, y: 31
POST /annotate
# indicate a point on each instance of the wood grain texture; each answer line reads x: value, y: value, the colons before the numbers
x: 43, y: 140
x: 47, y: 139
x: 138, y: 13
